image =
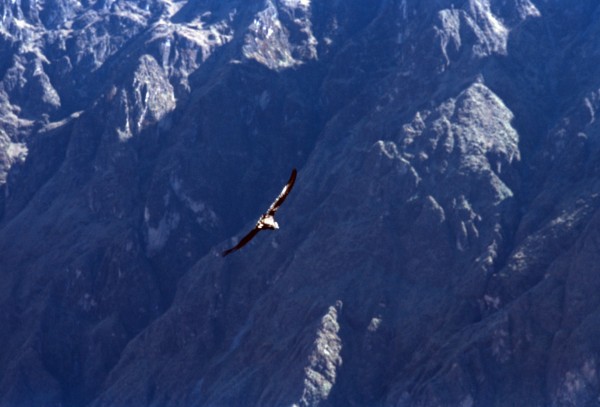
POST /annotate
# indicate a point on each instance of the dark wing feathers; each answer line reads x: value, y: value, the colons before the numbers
x: 242, y: 242
x: 271, y: 211
x: 284, y: 193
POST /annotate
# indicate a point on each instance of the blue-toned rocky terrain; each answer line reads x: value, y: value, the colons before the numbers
x: 441, y: 245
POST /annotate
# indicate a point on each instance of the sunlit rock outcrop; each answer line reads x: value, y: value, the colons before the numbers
x: 440, y: 246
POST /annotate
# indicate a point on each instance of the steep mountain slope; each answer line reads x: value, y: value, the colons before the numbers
x: 440, y: 246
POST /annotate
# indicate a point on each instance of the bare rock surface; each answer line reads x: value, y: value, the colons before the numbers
x: 440, y: 247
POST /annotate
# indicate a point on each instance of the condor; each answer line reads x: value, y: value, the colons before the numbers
x: 267, y: 220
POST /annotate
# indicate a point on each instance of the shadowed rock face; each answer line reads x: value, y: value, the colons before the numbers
x: 440, y: 247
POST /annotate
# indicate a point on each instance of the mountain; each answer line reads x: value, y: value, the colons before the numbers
x: 440, y: 246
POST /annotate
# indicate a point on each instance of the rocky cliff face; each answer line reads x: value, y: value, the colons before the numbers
x: 440, y: 247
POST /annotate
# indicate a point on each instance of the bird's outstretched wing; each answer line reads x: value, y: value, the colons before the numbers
x: 283, y: 194
x: 270, y: 213
x: 242, y: 242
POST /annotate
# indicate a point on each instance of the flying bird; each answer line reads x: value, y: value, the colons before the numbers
x: 267, y: 220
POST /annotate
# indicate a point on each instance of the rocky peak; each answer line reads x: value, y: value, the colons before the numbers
x: 439, y: 247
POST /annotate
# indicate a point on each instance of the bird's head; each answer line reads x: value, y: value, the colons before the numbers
x: 267, y: 222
